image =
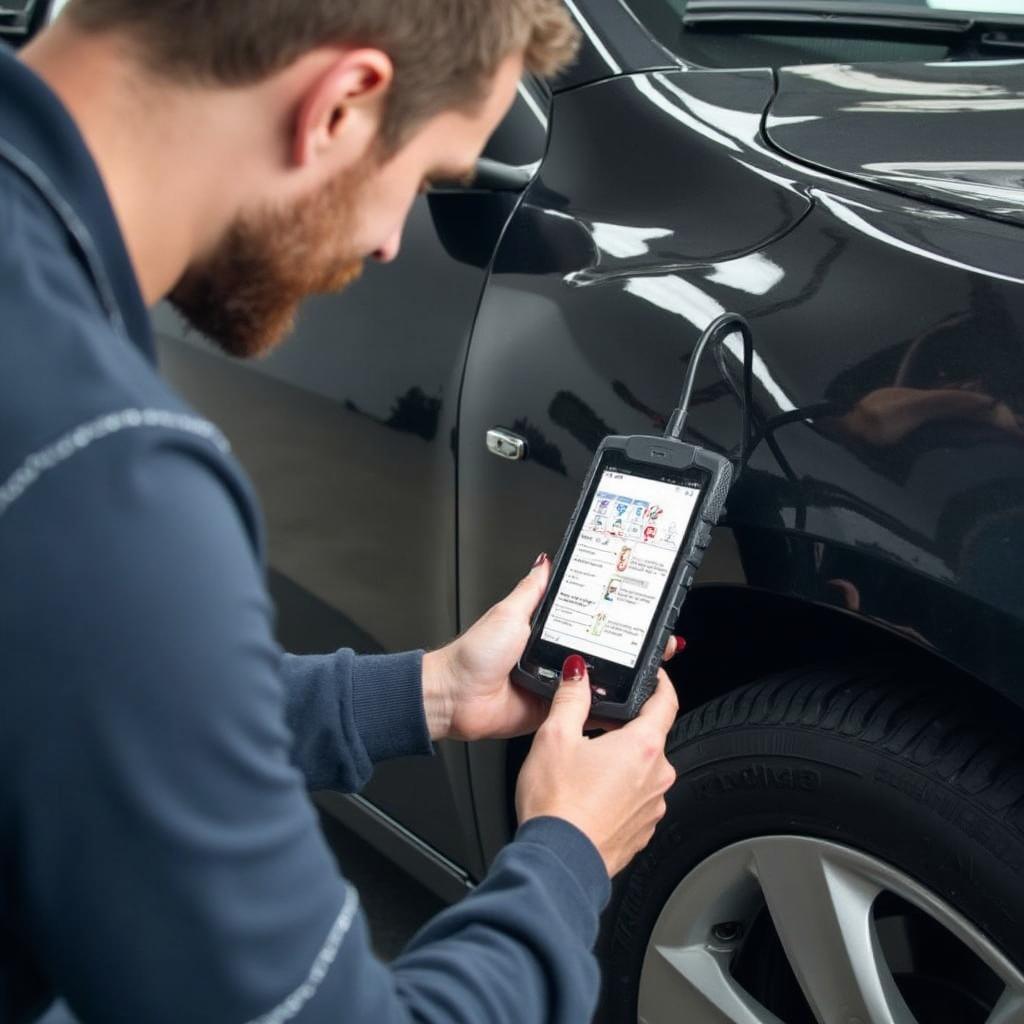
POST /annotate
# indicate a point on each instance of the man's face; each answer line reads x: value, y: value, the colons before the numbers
x: 245, y: 294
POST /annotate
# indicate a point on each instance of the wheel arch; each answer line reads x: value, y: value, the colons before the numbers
x: 737, y: 634
x: 739, y: 630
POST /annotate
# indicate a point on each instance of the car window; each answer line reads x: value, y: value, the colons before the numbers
x: 723, y: 34
x: 522, y: 137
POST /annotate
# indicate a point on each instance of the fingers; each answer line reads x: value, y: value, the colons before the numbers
x: 676, y: 645
x: 523, y: 601
x: 570, y: 706
x: 662, y: 709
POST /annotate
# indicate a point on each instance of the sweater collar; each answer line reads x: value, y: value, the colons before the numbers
x: 41, y: 140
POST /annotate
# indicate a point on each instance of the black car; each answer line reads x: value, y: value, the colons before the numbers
x: 846, y: 839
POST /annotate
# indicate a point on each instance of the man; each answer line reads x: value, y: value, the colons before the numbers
x: 161, y: 859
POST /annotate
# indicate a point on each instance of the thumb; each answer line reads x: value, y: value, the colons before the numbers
x: 571, y: 701
x: 523, y: 601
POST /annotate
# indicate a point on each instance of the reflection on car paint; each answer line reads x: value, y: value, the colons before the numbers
x: 877, y: 124
x: 852, y: 292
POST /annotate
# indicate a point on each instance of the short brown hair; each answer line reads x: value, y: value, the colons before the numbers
x: 445, y: 52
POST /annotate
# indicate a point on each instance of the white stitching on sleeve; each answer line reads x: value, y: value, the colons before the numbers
x: 293, y: 1005
x: 29, y: 472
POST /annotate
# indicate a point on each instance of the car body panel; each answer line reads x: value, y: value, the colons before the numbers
x: 613, y: 43
x: 577, y: 239
x: 849, y: 293
x: 945, y: 133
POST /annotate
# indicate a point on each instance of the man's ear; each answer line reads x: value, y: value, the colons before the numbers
x: 340, y: 112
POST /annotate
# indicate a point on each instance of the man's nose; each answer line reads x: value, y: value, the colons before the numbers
x: 390, y: 249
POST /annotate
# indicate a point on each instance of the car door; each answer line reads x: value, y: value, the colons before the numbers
x: 349, y: 432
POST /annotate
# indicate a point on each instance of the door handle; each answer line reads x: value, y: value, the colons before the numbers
x: 505, y: 444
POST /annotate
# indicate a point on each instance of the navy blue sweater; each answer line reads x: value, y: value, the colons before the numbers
x: 160, y: 858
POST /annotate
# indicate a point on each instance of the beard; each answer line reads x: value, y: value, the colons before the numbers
x: 245, y: 295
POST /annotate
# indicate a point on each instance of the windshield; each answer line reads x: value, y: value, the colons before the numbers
x: 777, y: 33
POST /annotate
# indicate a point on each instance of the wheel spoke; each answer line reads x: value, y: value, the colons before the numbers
x: 822, y: 912
x: 693, y: 984
x: 1009, y: 1009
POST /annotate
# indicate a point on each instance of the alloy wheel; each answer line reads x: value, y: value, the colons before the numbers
x: 797, y: 930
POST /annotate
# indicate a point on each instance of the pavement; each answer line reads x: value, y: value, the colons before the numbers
x: 396, y: 905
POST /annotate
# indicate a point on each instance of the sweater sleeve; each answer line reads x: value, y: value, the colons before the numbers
x: 169, y: 865
x: 349, y: 712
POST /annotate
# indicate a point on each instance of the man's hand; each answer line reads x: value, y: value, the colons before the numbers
x: 467, y: 692
x: 611, y: 788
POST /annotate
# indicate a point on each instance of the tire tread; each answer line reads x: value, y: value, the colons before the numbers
x: 947, y: 736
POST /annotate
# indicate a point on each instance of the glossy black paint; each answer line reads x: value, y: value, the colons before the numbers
x: 613, y: 43
x: 890, y: 125
x: 884, y: 506
x: 849, y: 292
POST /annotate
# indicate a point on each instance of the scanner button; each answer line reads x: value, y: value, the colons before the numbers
x: 703, y: 536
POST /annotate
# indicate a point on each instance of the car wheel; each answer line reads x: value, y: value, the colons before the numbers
x: 843, y: 846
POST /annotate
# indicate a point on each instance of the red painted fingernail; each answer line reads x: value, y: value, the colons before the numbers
x: 575, y: 668
x: 542, y: 557
x: 680, y: 645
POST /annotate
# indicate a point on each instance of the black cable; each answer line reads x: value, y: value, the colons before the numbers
x: 715, y: 333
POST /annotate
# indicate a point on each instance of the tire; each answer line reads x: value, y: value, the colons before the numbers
x: 882, y: 777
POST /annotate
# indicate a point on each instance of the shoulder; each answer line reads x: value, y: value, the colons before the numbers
x: 74, y: 392
x: 135, y: 468
x: 31, y: 230
x: 127, y: 559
